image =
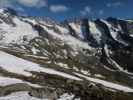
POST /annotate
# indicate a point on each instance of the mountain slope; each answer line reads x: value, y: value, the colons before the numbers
x: 75, y: 60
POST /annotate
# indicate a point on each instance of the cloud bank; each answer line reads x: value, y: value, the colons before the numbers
x: 28, y: 3
x: 58, y: 8
x: 86, y: 11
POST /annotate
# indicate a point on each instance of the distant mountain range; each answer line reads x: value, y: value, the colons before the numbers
x: 81, y: 59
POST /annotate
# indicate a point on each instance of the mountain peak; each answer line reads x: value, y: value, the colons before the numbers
x: 8, y: 10
x: 83, y: 57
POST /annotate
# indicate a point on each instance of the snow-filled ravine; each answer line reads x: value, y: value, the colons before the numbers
x: 20, y: 66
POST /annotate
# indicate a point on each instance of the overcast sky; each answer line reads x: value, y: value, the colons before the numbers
x: 62, y: 9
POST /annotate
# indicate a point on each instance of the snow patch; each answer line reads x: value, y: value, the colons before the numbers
x: 20, y: 66
x: 67, y: 96
x: 107, y: 84
x: 114, y: 32
x: 131, y: 35
x: 62, y: 29
x: 5, y: 81
x: 34, y: 50
x: 18, y: 33
x: 74, y: 42
x: 78, y: 29
x: 110, y: 60
x: 95, y: 32
x: 20, y: 96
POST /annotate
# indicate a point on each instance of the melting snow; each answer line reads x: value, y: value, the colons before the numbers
x: 107, y: 84
x: 75, y: 43
x: 34, y: 50
x: 67, y: 96
x: 115, y: 63
x: 33, y: 21
x: 62, y: 29
x: 78, y: 29
x: 99, y: 75
x: 20, y: 96
x: 23, y: 95
x: 131, y: 35
x: 5, y: 81
x: 114, y: 33
x: 1, y: 10
x: 95, y: 32
x: 20, y: 66
x: 17, y: 33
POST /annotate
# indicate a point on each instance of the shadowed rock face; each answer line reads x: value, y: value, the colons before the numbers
x: 76, y: 60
